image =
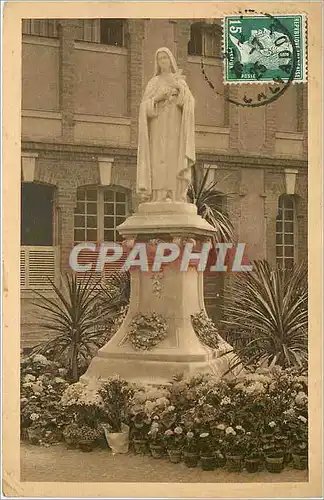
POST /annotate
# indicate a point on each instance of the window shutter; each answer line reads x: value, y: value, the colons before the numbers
x: 37, y: 264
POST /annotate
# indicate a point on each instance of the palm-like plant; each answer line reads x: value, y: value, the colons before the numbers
x: 72, y: 314
x: 269, y: 307
x: 208, y: 200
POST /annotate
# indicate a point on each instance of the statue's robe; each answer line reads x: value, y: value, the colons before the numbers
x: 166, y: 146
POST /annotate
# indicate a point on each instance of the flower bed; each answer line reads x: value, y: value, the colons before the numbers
x: 257, y: 421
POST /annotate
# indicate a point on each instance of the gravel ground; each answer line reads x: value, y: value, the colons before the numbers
x: 56, y: 463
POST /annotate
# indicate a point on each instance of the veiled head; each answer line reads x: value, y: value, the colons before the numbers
x: 165, y: 61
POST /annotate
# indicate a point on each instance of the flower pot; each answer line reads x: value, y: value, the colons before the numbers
x: 174, y: 456
x: 207, y: 463
x: 118, y: 441
x: 140, y: 446
x: 34, y: 435
x: 190, y: 459
x: 101, y: 442
x: 234, y: 463
x: 70, y: 442
x: 157, y: 450
x: 274, y: 464
x: 252, y: 464
x: 86, y: 445
x: 220, y: 460
x: 300, y: 461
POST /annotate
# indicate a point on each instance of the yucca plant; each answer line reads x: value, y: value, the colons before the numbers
x: 72, y: 314
x: 113, y: 299
x: 269, y: 307
x: 207, y: 199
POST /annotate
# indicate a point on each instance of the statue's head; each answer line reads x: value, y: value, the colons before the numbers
x: 165, y: 61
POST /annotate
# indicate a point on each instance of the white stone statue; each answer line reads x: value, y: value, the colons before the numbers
x: 166, y: 143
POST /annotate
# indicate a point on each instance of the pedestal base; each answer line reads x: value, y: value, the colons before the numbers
x: 173, y: 294
x: 145, y: 370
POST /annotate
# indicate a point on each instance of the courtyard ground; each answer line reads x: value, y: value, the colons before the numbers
x: 56, y: 463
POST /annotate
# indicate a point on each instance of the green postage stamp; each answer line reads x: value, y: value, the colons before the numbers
x: 264, y: 48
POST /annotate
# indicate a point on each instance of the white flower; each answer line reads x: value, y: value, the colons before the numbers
x: 230, y: 430
x: 239, y: 428
x: 190, y: 435
x: 272, y: 424
x: 34, y: 416
x: 171, y: 408
x: 204, y: 434
x: 225, y: 401
x: 168, y: 432
x: 39, y: 358
x: 302, y: 419
x: 301, y: 398
x: 29, y: 378
x: 221, y: 427
x: 178, y: 430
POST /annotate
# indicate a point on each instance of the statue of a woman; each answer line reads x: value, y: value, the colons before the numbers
x: 166, y: 144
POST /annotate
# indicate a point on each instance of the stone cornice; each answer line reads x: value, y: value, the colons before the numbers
x: 88, y: 152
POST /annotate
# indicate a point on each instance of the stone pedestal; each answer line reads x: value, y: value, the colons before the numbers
x: 173, y: 293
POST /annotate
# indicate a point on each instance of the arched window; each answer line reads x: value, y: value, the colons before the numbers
x: 285, y: 232
x: 205, y: 40
x: 98, y: 212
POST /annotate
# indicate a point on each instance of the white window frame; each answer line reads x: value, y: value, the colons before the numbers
x: 101, y: 212
x: 281, y: 260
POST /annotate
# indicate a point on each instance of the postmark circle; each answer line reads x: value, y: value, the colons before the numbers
x: 282, y: 38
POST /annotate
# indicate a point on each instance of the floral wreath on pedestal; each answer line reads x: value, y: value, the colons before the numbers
x: 205, y: 329
x: 147, y: 330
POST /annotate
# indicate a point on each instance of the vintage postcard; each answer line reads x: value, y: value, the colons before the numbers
x: 162, y: 249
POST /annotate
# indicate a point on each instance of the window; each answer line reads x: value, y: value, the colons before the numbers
x: 285, y: 232
x: 205, y: 40
x: 40, y: 27
x: 37, y: 214
x: 97, y: 214
x: 104, y: 31
x: 112, y: 32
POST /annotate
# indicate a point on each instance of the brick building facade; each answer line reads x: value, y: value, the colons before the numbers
x: 82, y: 82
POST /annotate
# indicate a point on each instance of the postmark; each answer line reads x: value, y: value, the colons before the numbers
x: 264, y: 48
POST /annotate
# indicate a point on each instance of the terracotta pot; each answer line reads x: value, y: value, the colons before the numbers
x: 220, y: 460
x: 34, y: 435
x: 157, y: 450
x: 190, y: 459
x: 71, y: 444
x: 174, y: 456
x: 140, y: 446
x: 86, y: 445
x: 207, y: 463
x: 252, y: 464
x: 274, y: 464
x: 234, y: 463
x: 300, y: 461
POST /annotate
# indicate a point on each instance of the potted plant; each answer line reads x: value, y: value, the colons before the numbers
x: 190, y: 450
x: 71, y: 435
x: 35, y: 433
x: 115, y: 394
x: 234, y: 448
x: 156, y: 442
x: 298, y: 437
x: 273, y: 451
x: 300, y: 456
x: 206, y: 449
x: 140, y: 427
x: 87, y: 437
x: 253, y: 453
x: 174, y: 443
